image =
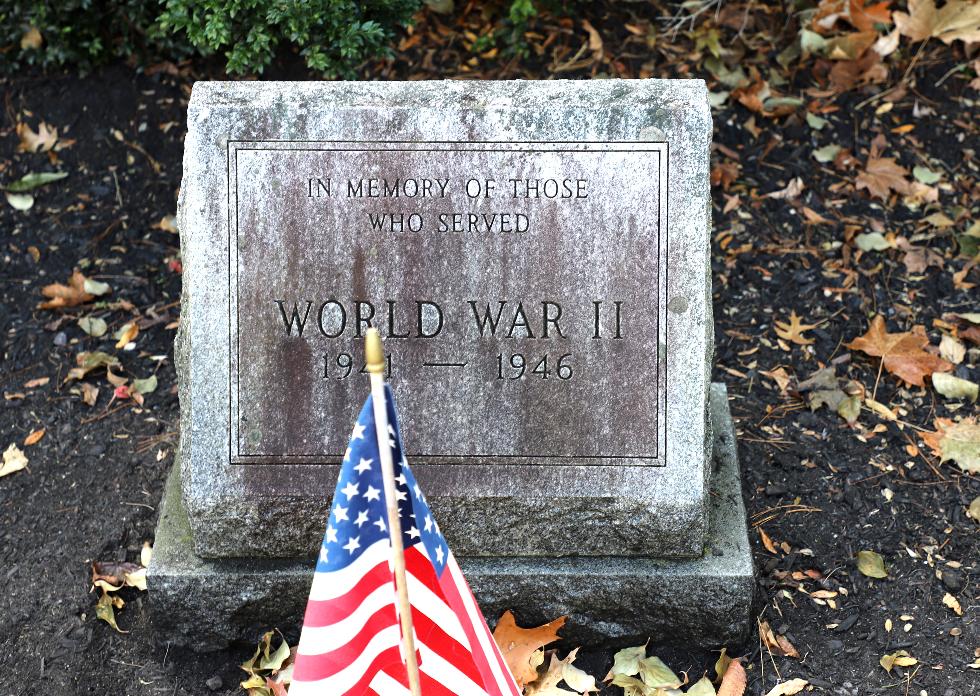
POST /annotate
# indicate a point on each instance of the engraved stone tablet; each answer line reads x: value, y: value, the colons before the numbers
x: 536, y: 257
x: 521, y: 296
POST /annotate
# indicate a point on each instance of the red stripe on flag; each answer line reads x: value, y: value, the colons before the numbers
x: 317, y: 666
x: 454, y: 594
x: 437, y: 640
x: 329, y: 611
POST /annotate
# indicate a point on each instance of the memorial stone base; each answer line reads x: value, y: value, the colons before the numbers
x: 207, y: 603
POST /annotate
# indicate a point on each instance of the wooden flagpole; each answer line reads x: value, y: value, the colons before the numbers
x: 375, y: 355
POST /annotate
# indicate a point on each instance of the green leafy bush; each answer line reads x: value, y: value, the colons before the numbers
x: 76, y: 32
x: 333, y: 36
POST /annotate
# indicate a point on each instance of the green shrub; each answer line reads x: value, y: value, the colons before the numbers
x: 333, y: 36
x: 76, y: 32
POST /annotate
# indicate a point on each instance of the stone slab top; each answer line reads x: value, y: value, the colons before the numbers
x: 549, y: 330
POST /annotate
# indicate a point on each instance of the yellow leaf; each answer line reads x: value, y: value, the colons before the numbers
x: 871, y: 564
x: 900, y: 658
x: 953, y: 603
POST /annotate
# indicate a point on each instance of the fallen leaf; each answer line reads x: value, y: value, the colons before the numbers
x: 266, y: 662
x: 105, y: 609
x: 871, y: 564
x: 777, y: 645
x: 19, y: 201
x: 13, y: 460
x: 902, y: 354
x: 767, y: 542
x: 900, y: 658
x: 561, y: 671
x: 70, y: 295
x: 788, y: 688
x: 146, y: 553
x: 37, y: 382
x: 733, y: 683
x: 90, y: 394
x: 793, y: 331
x: 961, y: 443
x: 702, y: 687
x: 655, y: 674
x: 34, y: 437
x: 145, y: 386
x: 872, y: 241
x: 42, y: 141
x: 953, y: 603
x: 517, y: 644
x: 168, y: 223
x: 881, y: 176
x: 93, y: 326
x: 627, y: 662
x: 974, y: 509
x: 956, y: 19
x: 88, y: 361
x: 126, y: 334
x: 952, y: 349
x: 31, y: 181
x: 954, y: 387
x: 792, y: 190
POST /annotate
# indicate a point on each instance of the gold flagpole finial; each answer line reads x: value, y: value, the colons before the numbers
x: 374, y: 352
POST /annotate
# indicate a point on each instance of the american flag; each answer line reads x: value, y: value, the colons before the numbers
x: 351, y: 639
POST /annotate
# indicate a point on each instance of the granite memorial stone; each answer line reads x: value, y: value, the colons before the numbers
x: 536, y: 257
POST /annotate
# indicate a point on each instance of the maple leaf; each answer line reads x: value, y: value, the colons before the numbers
x: 519, y: 645
x: 902, y: 354
x: 793, y: 331
x: 956, y: 19
x: 882, y: 175
x: 562, y: 671
x: 42, y: 141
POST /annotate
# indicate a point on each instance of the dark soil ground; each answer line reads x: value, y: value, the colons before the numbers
x: 822, y: 490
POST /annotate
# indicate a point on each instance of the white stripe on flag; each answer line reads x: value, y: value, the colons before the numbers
x: 446, y: 673
x: 386, y: 685
x: 316, y: 640
x: 344, y: 680
x: 337, y: 583
x: 506, y: 682
x: 433, y: 606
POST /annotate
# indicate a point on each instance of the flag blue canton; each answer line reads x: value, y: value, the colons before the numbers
x: 358, y: 515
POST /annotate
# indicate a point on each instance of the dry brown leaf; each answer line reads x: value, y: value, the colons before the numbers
x: 902, y: 354
x: 517, y: 645
x: 881, y: 176
x: 793, y: 331
x: 768, y: 542
x: 777, y: 645
x: 31, y: 40
x: 956, y: 19
x: 70, y: 295
x: 42, y: 141
x: 90, y: 394
x: 126, y: 334
x: 34, y: 437
x: 953, y: 603
x: 733, y: 683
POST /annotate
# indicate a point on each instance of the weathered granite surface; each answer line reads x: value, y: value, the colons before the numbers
x: 641, y: 504
x: 208, y: 603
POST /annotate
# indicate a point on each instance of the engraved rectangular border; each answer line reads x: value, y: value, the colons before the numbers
x: 233, y: 146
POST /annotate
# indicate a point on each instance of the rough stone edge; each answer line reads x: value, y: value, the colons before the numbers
x: 206, y: 604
